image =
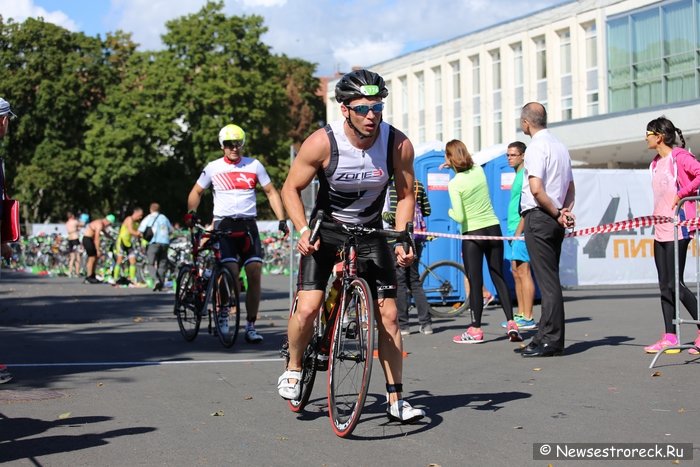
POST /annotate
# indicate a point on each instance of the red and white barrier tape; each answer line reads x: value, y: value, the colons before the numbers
x: 644, y: 221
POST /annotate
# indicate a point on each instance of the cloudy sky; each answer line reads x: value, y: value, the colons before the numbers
x: 335, y: 34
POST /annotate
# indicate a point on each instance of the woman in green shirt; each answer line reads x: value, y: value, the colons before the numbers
x: 471, y: 207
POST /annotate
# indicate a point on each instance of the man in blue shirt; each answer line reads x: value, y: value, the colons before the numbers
x: 157, y: 250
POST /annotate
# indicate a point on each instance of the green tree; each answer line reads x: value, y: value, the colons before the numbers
x: 105, y: 127
x: 54, y: 79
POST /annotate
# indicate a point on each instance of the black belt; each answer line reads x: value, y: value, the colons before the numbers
x: 240, y: 218
x: 522, y: 213
x: 536, y: 208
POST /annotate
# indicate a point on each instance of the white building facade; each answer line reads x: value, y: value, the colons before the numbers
x: 602, y: 68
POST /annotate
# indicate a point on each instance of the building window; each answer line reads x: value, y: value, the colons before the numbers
x: 591, y: 69
x: 541, y: 69
x: 496, y: 69
x: 565, y: 72
x: 420, y: 80
x: 437, y: 80
x: 518, y: 82
x: 476, y: 74
x: 652, y: 56
x: 476, y: 101
x: 404, y: 103
x: 496, y: 97
x: 456, y: 100
x: 476, y: 136
x: 497, y: 127
x: 565, y: 52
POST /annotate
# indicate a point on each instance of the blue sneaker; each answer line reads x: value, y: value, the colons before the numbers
x: 523, y: 324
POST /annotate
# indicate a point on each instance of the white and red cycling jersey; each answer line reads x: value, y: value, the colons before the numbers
x: 234, y: 185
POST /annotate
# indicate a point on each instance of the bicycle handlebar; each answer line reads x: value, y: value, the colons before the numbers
x: 405, y: 236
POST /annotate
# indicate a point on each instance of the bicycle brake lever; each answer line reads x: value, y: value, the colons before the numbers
x: 408, y: 242
x: 315, y: 226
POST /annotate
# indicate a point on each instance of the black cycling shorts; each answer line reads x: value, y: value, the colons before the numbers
x: 89, y: 245
x: 375, y: 263
x: 244, y: 249
x: 73, y: 245
x: 122, y: 250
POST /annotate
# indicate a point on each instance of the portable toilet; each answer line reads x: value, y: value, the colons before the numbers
x: 435, y: 181
x: 498, y: 173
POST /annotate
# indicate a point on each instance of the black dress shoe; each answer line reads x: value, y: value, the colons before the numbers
x: 542, y: 350
x: 523, y: 348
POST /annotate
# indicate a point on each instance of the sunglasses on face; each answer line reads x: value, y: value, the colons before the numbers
x: 651, y: 133
x: 233, y: 144
x: 364, y: 109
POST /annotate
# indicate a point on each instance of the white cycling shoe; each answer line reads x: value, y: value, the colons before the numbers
x: 401, y: 411
x: 287, y: 389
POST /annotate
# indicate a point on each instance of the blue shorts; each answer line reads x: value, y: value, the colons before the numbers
x: 515, y: 250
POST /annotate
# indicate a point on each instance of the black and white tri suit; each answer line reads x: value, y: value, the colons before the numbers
x: 352, y: 190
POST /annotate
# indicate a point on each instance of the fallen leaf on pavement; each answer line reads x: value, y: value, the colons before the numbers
x: 218, y: 413
x: 656, y: 373
x: 63, y: 416
x: 248, y: 398
x: 537, y: 369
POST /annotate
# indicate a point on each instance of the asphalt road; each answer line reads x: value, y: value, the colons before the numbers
x: 103, y: 378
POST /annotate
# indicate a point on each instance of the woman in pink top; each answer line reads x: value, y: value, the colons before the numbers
x: 675, y: 174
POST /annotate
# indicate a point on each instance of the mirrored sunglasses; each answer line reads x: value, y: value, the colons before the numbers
x: 233, y: 144
x: 364, y: 109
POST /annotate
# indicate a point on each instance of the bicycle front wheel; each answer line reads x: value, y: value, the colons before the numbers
x: 186, y: 304
x: 350, y: 359
x: 225, y: 306
x: 443, y: 283
x: 308, y: 367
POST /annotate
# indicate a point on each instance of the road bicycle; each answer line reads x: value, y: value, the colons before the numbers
x: 441, y: 282
x: 207, y: 288
x: 344, y: 333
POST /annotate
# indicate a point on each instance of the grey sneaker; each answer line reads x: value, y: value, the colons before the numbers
x: 252, y: 336
x: 426, y: 329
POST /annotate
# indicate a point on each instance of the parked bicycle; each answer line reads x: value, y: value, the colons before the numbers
x: 344, y: 332
x: 441, y: 282
x: 207, y: 288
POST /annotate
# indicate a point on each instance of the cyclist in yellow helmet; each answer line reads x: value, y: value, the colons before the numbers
x: 233, y: 179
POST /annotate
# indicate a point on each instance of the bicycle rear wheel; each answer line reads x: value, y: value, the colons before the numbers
x: 350, y: 359
x: 225, y: 306
x: 442, y: 282
x: 186, y: 304
x: 308, y: 368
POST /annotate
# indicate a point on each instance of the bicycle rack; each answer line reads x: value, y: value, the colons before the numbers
x: 678, y: 320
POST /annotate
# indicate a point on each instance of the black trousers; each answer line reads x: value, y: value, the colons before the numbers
x: 473, y: 253
x: 544, y: 237
x: 663, y: 257
x: 408, y: 281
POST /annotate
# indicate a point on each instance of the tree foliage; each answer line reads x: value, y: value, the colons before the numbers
x: 104, y: 127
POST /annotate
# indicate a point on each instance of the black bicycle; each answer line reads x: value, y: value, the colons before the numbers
x: 207, y: 288
x: 441, y: 282
x: 344, y: 334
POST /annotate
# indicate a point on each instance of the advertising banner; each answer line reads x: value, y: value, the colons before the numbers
x: 604, y: 196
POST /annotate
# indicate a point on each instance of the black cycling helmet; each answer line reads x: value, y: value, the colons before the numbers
x: 360, y: 83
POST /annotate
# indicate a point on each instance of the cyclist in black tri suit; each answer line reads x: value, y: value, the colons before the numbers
x: 354, y: 160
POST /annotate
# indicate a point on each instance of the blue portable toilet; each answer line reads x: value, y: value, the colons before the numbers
x: 499, y: 176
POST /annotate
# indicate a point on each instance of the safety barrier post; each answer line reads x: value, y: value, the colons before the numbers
x: 677, y: 301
